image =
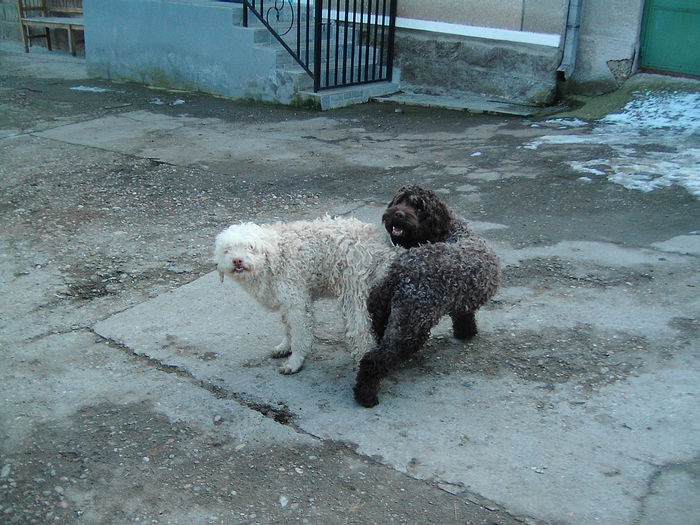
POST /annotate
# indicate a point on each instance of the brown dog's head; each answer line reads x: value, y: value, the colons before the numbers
x: 416, y: 215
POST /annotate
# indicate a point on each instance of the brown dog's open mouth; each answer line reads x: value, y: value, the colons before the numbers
x: 397, y: 232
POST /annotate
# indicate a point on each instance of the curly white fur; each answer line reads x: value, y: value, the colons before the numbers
x: 286, y: 266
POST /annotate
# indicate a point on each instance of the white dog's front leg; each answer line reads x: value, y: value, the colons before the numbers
x: 301, y: 325
x: 357, y: 328
x: 360, y: 343
x: 285, y: 347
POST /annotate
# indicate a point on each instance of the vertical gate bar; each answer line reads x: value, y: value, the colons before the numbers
x: 245, y: 13
x: 375, y: 41
x: 337, y: 39
x: 308, y: 23
x: 381, y: 48
x: 318, y: 12
x: 392, y: 34
x: 359, y: 48
x: 354, y: 40
x: 298, y: 29
x: 328, y: 44
x: 369, y: 38
x: 345, y: 42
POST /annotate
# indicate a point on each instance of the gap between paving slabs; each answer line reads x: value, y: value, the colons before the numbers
x: 280, y: 413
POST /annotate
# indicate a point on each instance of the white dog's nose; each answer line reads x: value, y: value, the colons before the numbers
x: 237, y: 262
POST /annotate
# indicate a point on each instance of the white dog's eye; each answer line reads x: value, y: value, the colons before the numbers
x: 226, y: 251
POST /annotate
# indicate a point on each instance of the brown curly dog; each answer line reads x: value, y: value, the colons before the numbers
x: 447, y: 271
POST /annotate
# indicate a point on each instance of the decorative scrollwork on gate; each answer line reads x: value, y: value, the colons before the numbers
x: 278, y: 12
x: 350, y: 45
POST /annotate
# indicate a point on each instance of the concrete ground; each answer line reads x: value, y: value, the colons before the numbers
x: 135, y: 388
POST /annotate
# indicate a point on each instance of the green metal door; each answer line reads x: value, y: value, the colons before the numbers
x: 671, y: 36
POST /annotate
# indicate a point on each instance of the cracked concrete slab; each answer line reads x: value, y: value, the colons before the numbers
x: 674, y: 495
x: 586, y: 459
x: 135, y: 387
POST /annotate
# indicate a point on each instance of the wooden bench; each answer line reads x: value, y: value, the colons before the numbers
x: 47, y: 15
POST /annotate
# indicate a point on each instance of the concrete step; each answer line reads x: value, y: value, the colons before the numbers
x: 462, y: 101
x: 348, y: 64
x: 346, y: 96
x: 297, y: 80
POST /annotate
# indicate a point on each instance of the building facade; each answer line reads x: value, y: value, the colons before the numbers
x: 522, y: 51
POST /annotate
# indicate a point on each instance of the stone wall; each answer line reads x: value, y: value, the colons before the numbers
x: 442, y: 64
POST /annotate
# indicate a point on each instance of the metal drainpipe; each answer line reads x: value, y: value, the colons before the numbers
x: 573, y: 22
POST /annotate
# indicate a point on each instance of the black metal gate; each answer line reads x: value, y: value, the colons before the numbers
x: 337, y: 42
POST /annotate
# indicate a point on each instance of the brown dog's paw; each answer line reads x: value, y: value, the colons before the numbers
x: 367, y: 397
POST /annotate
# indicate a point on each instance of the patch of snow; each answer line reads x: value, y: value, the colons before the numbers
x: 91, y: 89
x: 558, y: 139
x: 564, y: 123
x: 669, y: 122
x: 651, y: 113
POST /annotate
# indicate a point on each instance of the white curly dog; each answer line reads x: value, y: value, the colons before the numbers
x: 286, y: 266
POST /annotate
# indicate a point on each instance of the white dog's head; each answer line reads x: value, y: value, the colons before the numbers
x: 242, y: 249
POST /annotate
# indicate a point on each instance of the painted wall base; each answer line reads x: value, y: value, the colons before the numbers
x: 186, y: 45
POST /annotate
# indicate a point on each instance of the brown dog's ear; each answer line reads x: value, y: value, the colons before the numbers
x: 417, y: 202
x: 437, y: 218
x: 398, y: 196
x: 404, y: 193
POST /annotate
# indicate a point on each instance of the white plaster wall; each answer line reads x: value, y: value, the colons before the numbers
x: 539, y: 16
x: 608, y: 43
x: 173, y: 43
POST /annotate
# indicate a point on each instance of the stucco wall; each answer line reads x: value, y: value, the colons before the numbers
x: 539, y: 16
x: 191, y: 44
x: 608, y: 49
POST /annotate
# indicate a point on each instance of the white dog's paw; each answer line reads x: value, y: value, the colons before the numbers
x: 292, y: 365
x: 282, y: 350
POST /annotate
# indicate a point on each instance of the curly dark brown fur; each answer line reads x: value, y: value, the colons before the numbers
x: 446, y: 271
x: 415, y: 216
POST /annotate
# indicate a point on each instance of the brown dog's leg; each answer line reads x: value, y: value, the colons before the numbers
x: 379, y: 307
x: 407, y: 331
x: 463, y: 325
